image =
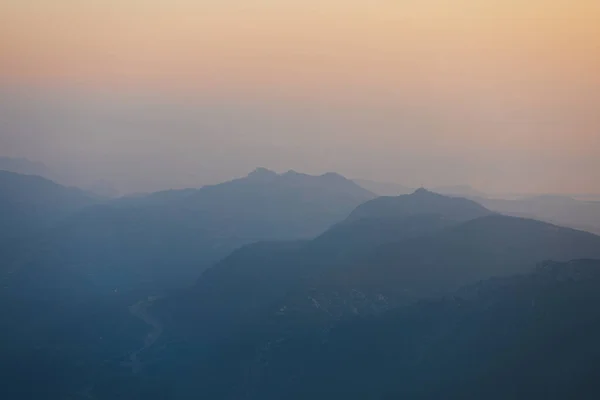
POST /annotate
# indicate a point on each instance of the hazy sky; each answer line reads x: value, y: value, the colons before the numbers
x: 148, y: 94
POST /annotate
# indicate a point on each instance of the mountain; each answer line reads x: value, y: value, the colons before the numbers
x: 395, y: 189
x: 74, y: 298
x: 250, y: 271
x: 478, y: 249
x: 379, y: 259
x: 281, y: 206
x: 65, y: 176
x: 61, y: 335
x: 423, y: 266
x: 531, y: 336
x: 398, y: 258
x: 266, y: 294
x: 263, y: 297
x: 278, y: 318
x: 164, y: 240
x: 23, y: 166
x: 421, y: 201
x: 383, y: 188
x: 30, y: 203
x: 560, y: 210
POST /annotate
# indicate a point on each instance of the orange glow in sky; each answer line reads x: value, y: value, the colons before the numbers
x: 300, y: 45
x: 501, y: 74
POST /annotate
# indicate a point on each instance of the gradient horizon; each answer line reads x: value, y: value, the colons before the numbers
x: 501, y: 95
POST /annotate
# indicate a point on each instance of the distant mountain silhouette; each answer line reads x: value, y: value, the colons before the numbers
x: 273, y: 293
x: 560, y: 210
x: 65, y: 296
x: 165, y: 240
x: 30, y: 203
x: 46, y: 303
x: 421, y: 201
x: 391, y: 219
x: 477, y: 249
x: 269, y: 292
x: 384, y: 188
x: 66, y: 177
x: 430, y: 265
x: 372, y: 224
x: 310, y: 287
x: 287, y: 206
x: 23, y: 166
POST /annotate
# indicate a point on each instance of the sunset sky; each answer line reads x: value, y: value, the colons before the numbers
x: 502, y: 95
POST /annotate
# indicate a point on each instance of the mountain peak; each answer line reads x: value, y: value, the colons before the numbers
x: 334, y: 176
x: 424, y: 192
x: 421, y: 202
x: 262, y: 173
x: 292, y: 173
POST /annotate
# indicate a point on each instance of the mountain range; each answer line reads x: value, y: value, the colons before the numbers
x: 67, y: 282
x: 391, y: 257
x: 289, y: 285
x: 562, y: 210
x: 165, y: 240
x: 530, y: 336
x: 64, y: 176
x: 29, y: 204
x: 579, y: 212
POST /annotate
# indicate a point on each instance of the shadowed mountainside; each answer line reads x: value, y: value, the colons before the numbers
x: 165, y: 240
x: 29, y: 204
x: 560, y: 210
x: 532, y: 336
x: 265, y: 294
x: 383, y: 287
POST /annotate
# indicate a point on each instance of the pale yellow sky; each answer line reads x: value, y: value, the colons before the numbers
x: 302, y: 45
x: 462, y: 79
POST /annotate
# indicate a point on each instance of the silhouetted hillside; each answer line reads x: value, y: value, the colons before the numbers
x: 266, y: 294
x: 23, y: 166
x: 372, y: 307
x: 477, y: 249
x: 387, y: 261
x: 555, y: 209
x: 165, y: 240
x: 287, y: 206
x: 394, y: 274
x: 30, y: 203
x: 420, y: 202
x: 244, y: 280
x: 525, y: 337
x: 60, y: 334
x: 65, y: 292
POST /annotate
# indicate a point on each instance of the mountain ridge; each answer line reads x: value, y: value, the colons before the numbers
x: 421, y: 201
x: 30, y: 203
